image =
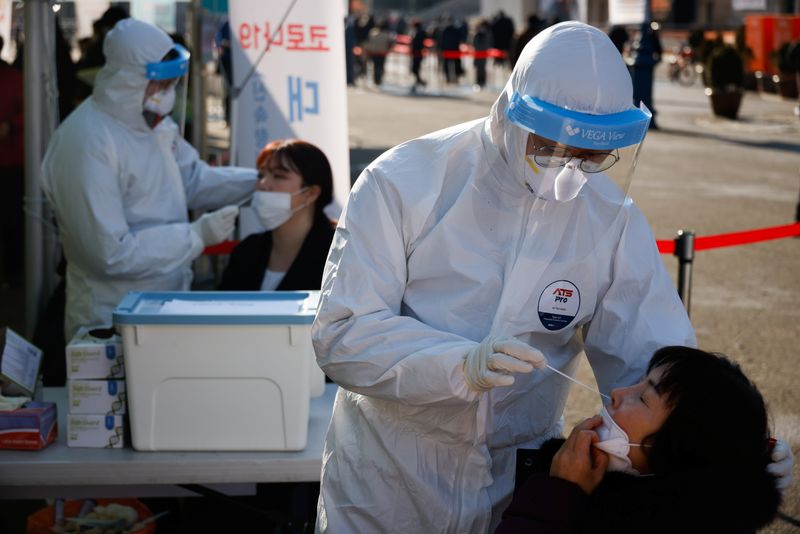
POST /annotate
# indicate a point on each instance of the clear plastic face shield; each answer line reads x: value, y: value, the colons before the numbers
x: 166, y: 93
x: 561, y: 152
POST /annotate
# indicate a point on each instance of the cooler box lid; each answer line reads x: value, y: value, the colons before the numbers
x: 217, y: 308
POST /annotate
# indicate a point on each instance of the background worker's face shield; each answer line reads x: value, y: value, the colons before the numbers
x: 559, y: 152
x: 166, y: 93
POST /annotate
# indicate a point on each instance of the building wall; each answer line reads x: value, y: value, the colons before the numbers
x: 709, y: 13
x: 518, y: 10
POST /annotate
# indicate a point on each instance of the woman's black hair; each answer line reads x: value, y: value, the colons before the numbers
x: 718, y: 425
x: 308, y: 161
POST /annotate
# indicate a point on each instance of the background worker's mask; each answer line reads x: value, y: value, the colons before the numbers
x: 170, y: 100
x: 161, y: 103
x: 614, y: 441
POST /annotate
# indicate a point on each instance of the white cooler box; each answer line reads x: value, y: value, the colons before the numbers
x: 219, y: 371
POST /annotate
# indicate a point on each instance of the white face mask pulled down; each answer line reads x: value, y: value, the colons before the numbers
x: 614, y: 441
x: 161, y: 103
x: 274, y: 208
x: 561, y: 184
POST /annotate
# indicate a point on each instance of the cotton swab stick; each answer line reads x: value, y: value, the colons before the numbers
x: 587, y: 386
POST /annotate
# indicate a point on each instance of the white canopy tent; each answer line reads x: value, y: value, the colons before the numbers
x: 41, y: 105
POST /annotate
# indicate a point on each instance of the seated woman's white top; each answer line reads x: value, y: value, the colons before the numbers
x: 271, y: 280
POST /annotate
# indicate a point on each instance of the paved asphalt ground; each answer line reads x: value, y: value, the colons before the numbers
x: 697, y: 172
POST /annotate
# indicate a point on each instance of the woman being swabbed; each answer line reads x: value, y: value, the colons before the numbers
x: 295, y: 184
x: 684, y: 450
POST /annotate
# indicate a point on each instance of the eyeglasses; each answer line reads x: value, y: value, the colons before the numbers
x: 590, y: 162
x: 163, y: 85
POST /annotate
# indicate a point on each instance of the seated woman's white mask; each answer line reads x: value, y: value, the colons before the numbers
x: 615, y: 442
x: 273, y: 208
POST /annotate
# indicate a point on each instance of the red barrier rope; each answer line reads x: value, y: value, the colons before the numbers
x: 220, y: 249
x: 749, y: 236
x: 405, y: 50
x: 735, y: 238
x: 664, y: 246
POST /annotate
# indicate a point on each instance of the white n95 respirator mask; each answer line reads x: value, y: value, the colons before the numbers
x: 161, y: 103
x: 273, y: 208
x: 561, y: 184
x: 614, y: 441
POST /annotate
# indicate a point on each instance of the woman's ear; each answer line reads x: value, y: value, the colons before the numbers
x: 313, y: 192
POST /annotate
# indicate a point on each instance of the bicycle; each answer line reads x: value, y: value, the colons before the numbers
x: 683, y: 69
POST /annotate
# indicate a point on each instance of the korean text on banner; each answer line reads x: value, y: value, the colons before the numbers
x: 298, y: 89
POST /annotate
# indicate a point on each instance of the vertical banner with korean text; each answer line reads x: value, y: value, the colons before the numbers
x: 298, y: 89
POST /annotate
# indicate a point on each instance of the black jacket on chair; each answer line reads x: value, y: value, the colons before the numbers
x: 248, y: 261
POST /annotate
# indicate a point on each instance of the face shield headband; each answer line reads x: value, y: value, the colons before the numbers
x: 557, y: 153
x: 171, y: 68
x: 582, y: 130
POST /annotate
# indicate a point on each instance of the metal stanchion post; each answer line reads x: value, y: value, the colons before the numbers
x: 797, y: 211
x: 684, y: 251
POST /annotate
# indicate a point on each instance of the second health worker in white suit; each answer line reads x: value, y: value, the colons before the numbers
x: 121, y: 178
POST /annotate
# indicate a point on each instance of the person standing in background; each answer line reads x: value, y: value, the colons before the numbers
x: 503, y: 35
x: 12, y: 173
x: 377, y: 47
x: 417, y: 49
x: 481, y: 42
x: 619, y: 36
x: 534, y: 27
x: 449, y: 48
x: 349, y: 44
x: 222, y: 40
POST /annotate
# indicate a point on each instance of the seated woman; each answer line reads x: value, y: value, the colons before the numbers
x: 686, y: 450
x: 295, y: 184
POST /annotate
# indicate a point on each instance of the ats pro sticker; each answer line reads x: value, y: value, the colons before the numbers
x: 558, y: 304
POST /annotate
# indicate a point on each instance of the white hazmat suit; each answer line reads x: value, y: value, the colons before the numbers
x: 121, y: 190
x: 442, y: 244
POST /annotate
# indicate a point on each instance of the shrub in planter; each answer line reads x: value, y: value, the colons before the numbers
x: 784, y: 63
x: 750, y: 82
x: 724, y: 78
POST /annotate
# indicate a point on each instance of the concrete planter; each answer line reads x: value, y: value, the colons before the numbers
x: 725, y: 103
x: 786, y: 85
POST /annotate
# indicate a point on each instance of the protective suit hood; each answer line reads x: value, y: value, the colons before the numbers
x: 120, y: 84
x: 570, y: 65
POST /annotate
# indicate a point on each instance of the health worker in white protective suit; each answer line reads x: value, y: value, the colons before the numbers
x: 463, y: 261
x: 120, y: 178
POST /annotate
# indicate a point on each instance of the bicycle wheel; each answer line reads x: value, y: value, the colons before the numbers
x: 687, y: 75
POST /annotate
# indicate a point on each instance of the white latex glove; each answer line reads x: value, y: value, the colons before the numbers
x: 215, y: 226
x: 782, y: 463
x: 491, y: 362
